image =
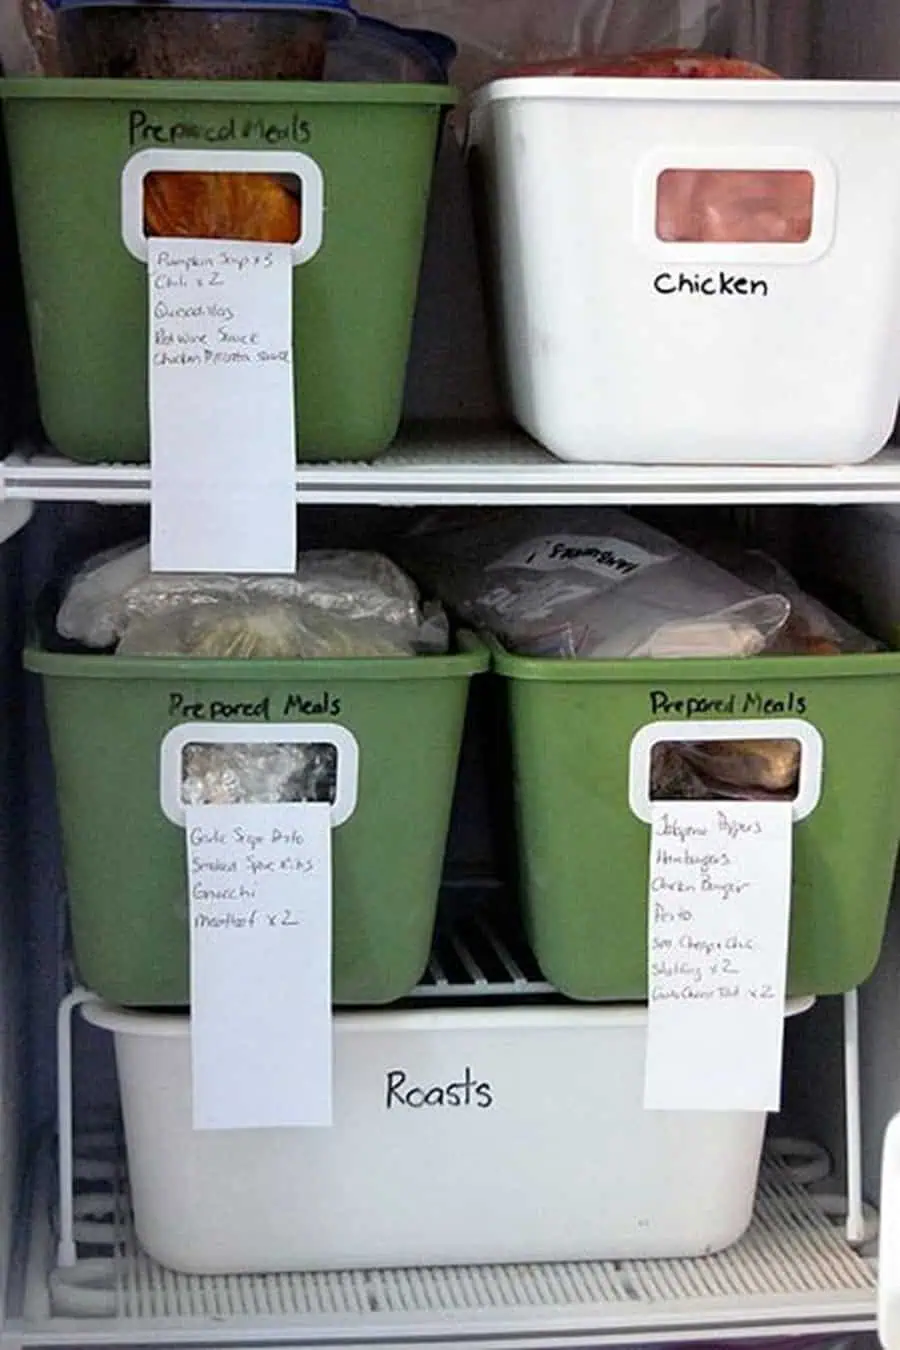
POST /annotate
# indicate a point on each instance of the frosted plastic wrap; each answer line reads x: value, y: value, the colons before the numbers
x: 246, y: 629
x: 92, y: 611
x: 337, y: 603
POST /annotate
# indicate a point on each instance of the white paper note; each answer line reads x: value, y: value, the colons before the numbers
x: 259, y: 880
x: 719, y: 916
x: 221, y: 382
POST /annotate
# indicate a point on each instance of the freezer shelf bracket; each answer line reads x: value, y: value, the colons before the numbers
x: 88, y: 1279
x: 67, y: 1250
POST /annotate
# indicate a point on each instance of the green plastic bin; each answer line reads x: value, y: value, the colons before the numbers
x: 125, y: 859
x: 584, y: 851
x: 87, y: 295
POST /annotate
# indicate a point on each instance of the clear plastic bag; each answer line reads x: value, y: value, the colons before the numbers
x: 492, y: 37
x: 92, y: 611
x: 769, y: 765
x: 812, y: 629
x: 589, y: 584
x: 752, y: 771
x: 232, y: 774
x: 245, y: 629
x: 337, y: 603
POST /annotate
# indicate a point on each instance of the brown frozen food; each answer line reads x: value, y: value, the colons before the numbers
x: 147, y: 41
x: 666, y: 64
x: 680, y: 772
x: 253, y: 206
x: 770, y: 765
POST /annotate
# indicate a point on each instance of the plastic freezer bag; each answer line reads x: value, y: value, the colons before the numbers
x: 336, y: 603
x: 503, y: 33
x: 590, y: 584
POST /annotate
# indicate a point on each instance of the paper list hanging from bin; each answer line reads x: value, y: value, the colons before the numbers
x: 718, y: 928
x: 259, y: 880
x: 222, y: 426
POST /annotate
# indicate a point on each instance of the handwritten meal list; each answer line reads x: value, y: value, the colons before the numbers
x: 221, y: 388
x: 719, y: 911
x: 259, y: 880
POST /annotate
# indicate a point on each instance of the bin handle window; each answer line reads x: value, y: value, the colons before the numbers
x: 812, y: 755
x: 240, y: 733
x: 291, y: 163
x: 694, y: 162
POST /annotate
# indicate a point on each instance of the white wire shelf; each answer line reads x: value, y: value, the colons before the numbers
x: 482, y: 468
x: 476, y: 958
x: 792, y: 1273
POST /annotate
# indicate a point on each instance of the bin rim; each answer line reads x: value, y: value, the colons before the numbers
x: 707, y: 669
x: 573, y: 89
x: 167, y: 1025
x: 300, y: 92
x: 470, y: 657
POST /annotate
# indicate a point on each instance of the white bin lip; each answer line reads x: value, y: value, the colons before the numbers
x: 176, y: 1026
x: 623, y: 89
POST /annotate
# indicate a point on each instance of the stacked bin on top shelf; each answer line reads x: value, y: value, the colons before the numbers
x: 677, y: 278
x: 679, y: 263
x: 341, y: 171
x: 244, y: 121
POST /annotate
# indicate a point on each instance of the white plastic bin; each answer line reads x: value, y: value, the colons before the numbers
x: 621, y: 346
x: 460, y: 1136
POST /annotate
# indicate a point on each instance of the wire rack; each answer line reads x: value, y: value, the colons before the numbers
x: 792, y: 1271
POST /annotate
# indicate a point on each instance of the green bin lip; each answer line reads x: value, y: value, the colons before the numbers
x: 471, y: 658
x: 226, y: 91
x: 702, y: 670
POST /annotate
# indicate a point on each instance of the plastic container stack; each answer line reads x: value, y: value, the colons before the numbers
x: 673, y: 285
x: 194, y: 82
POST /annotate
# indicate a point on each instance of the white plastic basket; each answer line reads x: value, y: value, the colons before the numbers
x: 622, y: 346
x: 460, y: 1136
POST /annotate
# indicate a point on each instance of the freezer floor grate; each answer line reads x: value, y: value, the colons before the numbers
x: 792, y: 1272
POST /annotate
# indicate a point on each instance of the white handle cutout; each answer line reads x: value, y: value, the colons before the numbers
x: 177, y: 744
x: 808, y: 738
x: 281, y: 164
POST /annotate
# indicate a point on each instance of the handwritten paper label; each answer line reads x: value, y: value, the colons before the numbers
x: 222, y: 432
x: 259, y: 879
x: 719, y: 911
